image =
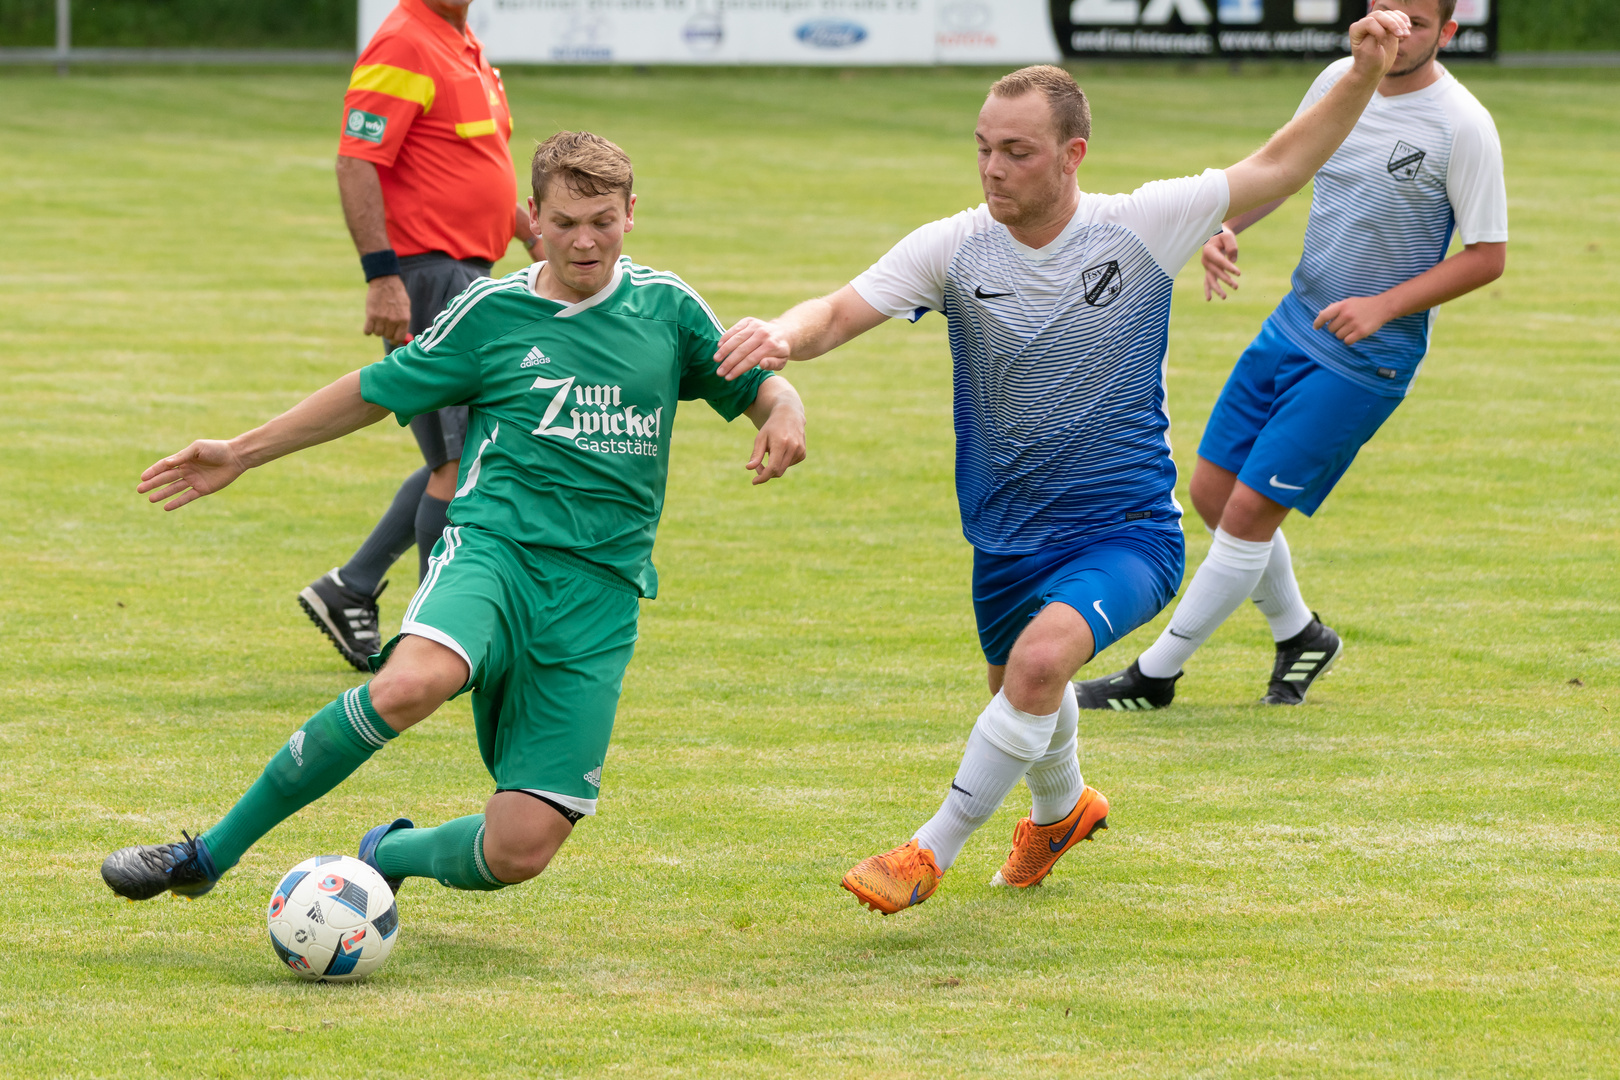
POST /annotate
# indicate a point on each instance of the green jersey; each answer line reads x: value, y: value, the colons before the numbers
x: 571, y: 406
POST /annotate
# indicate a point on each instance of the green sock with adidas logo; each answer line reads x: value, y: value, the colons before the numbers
x: 319, y: 756
x: 452, y: 854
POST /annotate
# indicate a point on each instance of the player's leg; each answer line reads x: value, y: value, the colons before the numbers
x: 1116, y: 584
x: 419, y: 677
x: 543, y: 730
x: 1235, y: 562
x: 440, y: 435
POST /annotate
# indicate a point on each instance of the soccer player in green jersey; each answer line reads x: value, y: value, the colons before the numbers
x: 573, y: 368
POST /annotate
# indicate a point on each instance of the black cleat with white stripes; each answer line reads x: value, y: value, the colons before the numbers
x: 1127, y: 691
x: 1301, y: 660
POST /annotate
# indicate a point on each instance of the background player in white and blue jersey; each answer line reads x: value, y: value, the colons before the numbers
x: 1058, y: 303
x: 1338, y: 354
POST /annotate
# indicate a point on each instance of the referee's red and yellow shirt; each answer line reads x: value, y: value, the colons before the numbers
x: 426, y: 108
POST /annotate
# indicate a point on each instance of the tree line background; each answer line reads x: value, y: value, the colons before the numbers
x: 1526, y: 25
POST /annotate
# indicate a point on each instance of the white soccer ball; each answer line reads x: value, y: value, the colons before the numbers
x: 333, y: 919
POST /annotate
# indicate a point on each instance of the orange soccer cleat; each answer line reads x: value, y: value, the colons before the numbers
x: 895, y: 880
x: 1037, y: 848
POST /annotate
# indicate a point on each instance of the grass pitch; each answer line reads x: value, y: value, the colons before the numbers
x: 1415, y: 875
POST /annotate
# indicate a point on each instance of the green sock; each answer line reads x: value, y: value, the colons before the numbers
x: 319, y: 756
x: 453, y: 854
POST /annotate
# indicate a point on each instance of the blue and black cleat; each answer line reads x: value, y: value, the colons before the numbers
x: 368, y: 848
x: 147, y: 870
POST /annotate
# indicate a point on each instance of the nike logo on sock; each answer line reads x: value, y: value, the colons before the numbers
x: 963, y: 790
x: 1172, y: 632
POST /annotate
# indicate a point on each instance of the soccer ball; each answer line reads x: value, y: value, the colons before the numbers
x: 333, y: 919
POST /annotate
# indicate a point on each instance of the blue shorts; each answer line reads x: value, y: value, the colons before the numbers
x: 1288, y: 426
x: 1117, y: 581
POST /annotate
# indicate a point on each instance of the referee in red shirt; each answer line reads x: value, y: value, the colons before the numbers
x: 431, y: 201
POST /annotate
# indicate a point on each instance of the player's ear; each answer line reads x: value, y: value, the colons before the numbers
x: 1447, y: 32
x: 630, y: 214
x: 1074, y: 152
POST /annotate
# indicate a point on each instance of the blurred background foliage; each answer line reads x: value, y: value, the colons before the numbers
x: 1527, y: 25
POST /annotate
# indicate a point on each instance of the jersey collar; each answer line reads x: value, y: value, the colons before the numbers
x: 440, y: 28
x: 568, y: 310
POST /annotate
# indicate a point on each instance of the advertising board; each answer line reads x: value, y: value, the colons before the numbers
x: 848, y: 33
x: 841, y: 33
x: 1210, y: 29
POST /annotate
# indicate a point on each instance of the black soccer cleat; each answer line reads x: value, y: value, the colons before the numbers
x: 1301, y: 660
x: 148, y: 870
x: 347, y: 617
x: 1127, y: 691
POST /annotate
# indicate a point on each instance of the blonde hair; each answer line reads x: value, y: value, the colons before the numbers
x: 587, y: 164
x: 1071, y: 112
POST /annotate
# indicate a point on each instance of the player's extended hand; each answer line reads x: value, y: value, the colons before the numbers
x: 1353, y: 319
x: 780, y: 443
x: 1220, y: 263
x: 749, y: 344
x: 1375, y: 40
x: 388, y: 308
x: 202, y: 468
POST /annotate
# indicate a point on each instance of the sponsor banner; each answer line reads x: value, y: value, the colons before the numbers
x: 840, y: 33
x: 1194, y: 29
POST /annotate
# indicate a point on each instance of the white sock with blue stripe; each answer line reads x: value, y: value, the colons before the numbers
x: 1228, y: 575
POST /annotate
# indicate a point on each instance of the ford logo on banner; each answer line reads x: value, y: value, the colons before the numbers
x: 831, y: 33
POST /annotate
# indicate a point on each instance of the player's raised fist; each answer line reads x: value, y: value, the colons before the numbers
x: 752, y: 343
x: 202, y: 468
x: 1375, y: 40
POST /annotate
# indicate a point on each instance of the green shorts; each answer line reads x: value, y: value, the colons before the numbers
x: 547, y: 637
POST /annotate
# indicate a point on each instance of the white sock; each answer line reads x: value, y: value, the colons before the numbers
x: 1055, y: 783
x: 1277, y: 595
x: 988, y: 772
x: 1228, y: 575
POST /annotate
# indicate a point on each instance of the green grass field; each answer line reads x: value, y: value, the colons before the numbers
x: 1416, y: 875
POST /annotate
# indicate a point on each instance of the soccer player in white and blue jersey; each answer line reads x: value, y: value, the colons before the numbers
x: 1058, y: 303
x: 1337, y: 356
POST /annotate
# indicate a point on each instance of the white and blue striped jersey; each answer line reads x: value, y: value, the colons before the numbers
x: 1416, y: 168
x: 1059, y: 355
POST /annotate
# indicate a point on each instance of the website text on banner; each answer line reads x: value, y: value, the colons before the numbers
x: 1194, y: 29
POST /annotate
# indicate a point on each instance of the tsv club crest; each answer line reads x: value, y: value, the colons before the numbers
x: 1406, y: 162
x: 1102, y: 283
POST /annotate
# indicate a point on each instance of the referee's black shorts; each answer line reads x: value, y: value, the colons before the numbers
x: 432, y: 281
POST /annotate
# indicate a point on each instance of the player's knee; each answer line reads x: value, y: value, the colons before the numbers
x: 1040, y: 666
x: 408, y: 692
x: 512, y: 865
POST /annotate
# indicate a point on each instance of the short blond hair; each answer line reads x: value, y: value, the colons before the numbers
x: 1071, y: 112
x: 587, y: 164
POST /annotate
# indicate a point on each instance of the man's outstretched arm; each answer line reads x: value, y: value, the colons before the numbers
x: 1293, y: 155
x: 804, y: 331
x: 208, y: 465
x: 779, y: 415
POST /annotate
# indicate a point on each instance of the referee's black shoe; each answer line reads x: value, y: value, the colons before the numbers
x: 347, y: 617
x: 148, y: 870
x: 1301, y: 660
x: 1127, y: 691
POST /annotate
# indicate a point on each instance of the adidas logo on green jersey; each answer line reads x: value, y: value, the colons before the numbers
x: 535, y: 357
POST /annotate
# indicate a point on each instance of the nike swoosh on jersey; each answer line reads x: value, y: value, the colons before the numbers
x: 980, y: 294
x: 1276, y: 483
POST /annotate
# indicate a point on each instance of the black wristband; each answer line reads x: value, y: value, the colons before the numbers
x: 378, y: 264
